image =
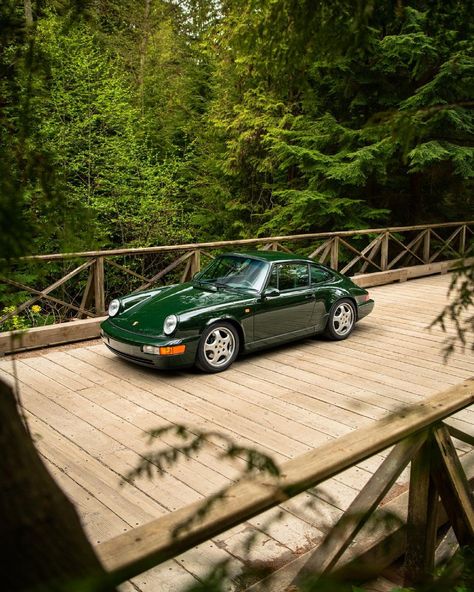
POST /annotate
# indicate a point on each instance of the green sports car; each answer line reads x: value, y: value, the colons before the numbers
x: 240, y: 302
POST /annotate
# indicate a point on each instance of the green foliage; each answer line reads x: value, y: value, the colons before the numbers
x: 15, y: 322
x: 31, y: 317
x: 459, y: 311
x: 93, y: 128
x: 342, y: 115
x: 151, y: 122
x: 156, y: 122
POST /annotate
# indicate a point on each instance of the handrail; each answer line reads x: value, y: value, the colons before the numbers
x: 245, y: 241
x: 77, y: 289
x: 135, y: 551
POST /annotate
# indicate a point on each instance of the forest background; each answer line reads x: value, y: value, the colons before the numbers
x: 145, y: 122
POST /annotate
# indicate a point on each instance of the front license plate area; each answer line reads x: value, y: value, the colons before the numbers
x: 131, y: 350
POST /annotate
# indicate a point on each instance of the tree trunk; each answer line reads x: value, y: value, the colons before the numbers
x: 42, y: 543
x: 28, y: 13
x: 143, y: 52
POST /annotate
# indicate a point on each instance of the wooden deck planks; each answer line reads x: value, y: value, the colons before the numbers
x: 90, y: 411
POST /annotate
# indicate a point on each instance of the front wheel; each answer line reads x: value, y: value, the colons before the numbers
x: 218, y: 347
x: 341, y: 320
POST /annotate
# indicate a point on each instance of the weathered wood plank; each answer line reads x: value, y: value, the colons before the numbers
x: 145, y: 399
x: 153, y: 543
x: 427, y: 245
x: 412, y: 245
x: 365, y: 360
x: 446, y: 243
x: 43, y: 295
x: 453, y: 486
x: 251, y: 241
x: 422, y: 519
x: 86, y: 296
x: 432, y: 370
x: 50, y: 335
x: 126, y: 270
x: 339, y: 538
x: 407, y: 249
x: 384, y: 251
x: 164, y: 271
x: 447, y: 548
x: 379, y: 545
x: 464, y: 436
x: 405, y: 273
x: 186, y: 273
x: 99, y: 286
x: 47, y: 290
x: 335, y: 252
x: 370, y: 250
x: 354, y: 250
x: 324, y: 249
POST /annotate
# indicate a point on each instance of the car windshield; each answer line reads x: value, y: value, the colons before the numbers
x: 234, y: 272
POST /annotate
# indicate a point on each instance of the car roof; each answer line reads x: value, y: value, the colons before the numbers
x: 270, y: 256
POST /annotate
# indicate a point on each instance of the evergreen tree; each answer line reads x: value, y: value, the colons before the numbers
x: 337, y: 117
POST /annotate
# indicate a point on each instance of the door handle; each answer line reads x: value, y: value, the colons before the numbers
x: 310, y: 296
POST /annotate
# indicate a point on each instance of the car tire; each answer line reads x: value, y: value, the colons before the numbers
x: 341, y: 321
x: 218, y: 347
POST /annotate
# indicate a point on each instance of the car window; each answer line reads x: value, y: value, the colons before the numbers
x: 235, y: 272
x: 273, y: 281
x: 292, y: 276
x: 318, y: 275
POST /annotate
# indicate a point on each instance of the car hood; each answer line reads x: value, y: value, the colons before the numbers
x: 148, y: 315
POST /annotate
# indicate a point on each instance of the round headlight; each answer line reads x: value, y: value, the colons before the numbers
x: 170, y: 324
x: 114, y: 307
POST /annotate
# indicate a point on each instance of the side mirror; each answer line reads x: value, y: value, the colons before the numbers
x: 270, y: 293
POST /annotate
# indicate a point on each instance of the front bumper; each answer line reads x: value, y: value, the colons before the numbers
x: 129, y: 347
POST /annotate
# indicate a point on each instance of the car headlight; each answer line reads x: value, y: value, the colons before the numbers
x: 170, y: 324
x: 114, y: 307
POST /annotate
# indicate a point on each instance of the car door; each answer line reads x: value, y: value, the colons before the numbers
x: 321, y: 283
x: 290, y: 313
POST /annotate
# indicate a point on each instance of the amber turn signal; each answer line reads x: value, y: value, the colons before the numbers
x: 172, y: 350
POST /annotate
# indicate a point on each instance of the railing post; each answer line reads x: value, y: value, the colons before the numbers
x: 453, y: 486
x: 422, y: 519
x: 195, y: 263
x: 462, y: 240
x: 87, y: 295
x: 99, y: 289
x: 384, y: 251
x: 335, y: 253
x: 426, y: 246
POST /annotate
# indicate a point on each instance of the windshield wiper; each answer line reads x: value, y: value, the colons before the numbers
x: 205, y: 285
x: 222, y: 285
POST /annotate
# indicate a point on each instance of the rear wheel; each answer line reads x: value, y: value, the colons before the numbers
x: 341, y: 320
x: 218, y: 347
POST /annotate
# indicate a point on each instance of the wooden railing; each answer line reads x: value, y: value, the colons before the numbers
x: 420, y: 436
x: 79, y: 285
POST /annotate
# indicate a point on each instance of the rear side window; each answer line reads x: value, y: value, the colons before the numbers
x: 318, y: 275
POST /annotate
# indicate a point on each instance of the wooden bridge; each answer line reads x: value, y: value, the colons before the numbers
x: 89, y: 410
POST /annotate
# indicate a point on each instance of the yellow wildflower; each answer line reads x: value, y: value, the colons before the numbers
x: 35, y: 308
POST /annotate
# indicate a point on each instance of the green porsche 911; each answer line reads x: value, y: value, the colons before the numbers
x: 239, y: 303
